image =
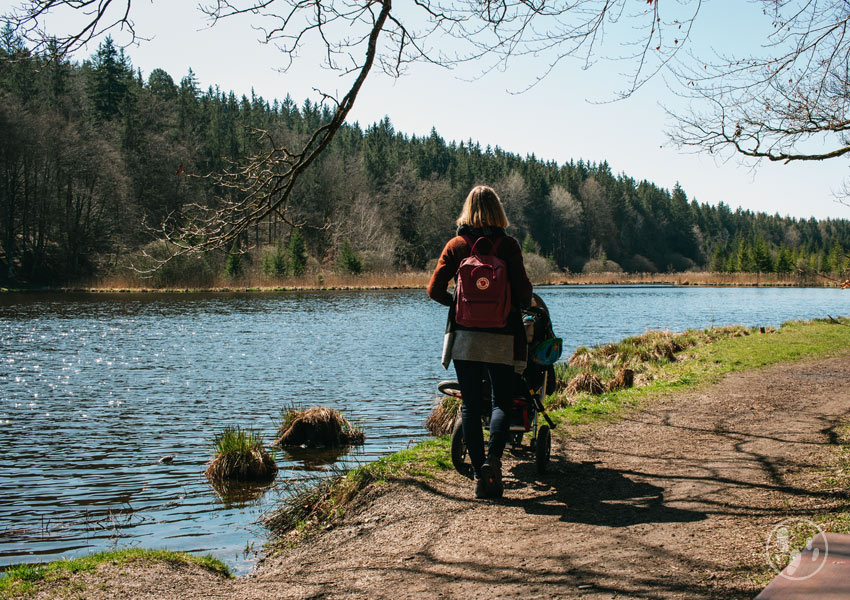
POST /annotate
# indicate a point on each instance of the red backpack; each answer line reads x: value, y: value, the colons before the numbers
x: 483, y: 289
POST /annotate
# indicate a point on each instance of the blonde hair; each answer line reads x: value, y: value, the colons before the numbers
x: 483, y: 208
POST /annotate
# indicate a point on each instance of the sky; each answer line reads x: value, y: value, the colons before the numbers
x: 568, y: 116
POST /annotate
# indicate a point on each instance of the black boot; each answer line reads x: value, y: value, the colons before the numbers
x: 491, y: 478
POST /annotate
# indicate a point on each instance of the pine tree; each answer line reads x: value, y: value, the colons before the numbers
x: 529, y: 246
x: 784, y: 261
x: 745, y: 260
x: 233, y: 266
x: 297, y: 253
x: 110, y: 79
x: 761, y: 259
x: 837, y: 260
x: 719, y: 259
x: 824, y: 266
x: 348, y: 261
x: 275, y: 263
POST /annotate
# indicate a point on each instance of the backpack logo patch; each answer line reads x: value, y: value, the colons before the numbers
x: 483, y: 283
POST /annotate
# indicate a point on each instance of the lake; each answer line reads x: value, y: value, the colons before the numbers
x: 95, y: 389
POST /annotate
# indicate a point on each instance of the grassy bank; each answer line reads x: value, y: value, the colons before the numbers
x: 708, y: 362
x: 23, y: 580
x: 313, y: 508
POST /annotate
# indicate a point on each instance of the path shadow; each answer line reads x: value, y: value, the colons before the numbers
x: 588, y: 493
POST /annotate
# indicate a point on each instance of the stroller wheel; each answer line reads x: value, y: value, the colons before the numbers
x: 543, y: 448
x: 459, y: 449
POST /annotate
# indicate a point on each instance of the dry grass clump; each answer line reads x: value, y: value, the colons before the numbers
x: 317, y: 427
x: 241, y: 457
x: 305, y: 504
x: 623, y: 379
x: 654, y: 347
x: 580, y: 358
x: 631, y: 361
x: 585, y: 382
x: 442, y: 418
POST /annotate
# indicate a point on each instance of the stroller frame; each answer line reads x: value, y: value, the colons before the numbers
x: 527, y: 403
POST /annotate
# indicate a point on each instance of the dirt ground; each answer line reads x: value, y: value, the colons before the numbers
x: 676, y: 501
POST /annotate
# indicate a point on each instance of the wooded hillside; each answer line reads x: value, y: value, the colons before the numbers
x: 92, y: 151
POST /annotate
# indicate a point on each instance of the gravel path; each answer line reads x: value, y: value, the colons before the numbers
x: 676, y: 501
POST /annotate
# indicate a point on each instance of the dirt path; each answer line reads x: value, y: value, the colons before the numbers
x: 673, y: 502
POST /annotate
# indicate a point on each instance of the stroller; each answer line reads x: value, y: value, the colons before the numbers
x: 530, y: 388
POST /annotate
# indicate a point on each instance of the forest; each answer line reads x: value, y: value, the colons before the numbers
x: 95, y: 155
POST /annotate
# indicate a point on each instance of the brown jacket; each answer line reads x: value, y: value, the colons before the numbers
x: 457, y: 249
x: 506, y: 345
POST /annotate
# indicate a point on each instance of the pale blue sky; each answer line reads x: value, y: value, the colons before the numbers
x: 554, y: 120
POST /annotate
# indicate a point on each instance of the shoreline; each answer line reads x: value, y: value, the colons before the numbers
x: 813, y: 340
x: 420, y: 281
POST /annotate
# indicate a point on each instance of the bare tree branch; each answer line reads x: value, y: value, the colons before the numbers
x: 789, y: 103
x: 101, y: 16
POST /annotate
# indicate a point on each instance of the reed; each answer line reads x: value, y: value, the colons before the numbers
x: 442, y: 418
x: 320, y: 279
x: 317, y: 427
x: 241, y: 457
x: 693, y: 278
x: 260, y: 282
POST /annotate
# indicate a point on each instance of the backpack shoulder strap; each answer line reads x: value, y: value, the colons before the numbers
x: 494, y: 245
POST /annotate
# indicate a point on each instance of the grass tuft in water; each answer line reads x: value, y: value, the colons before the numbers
x: 317, y: 427
x: 240, y: 456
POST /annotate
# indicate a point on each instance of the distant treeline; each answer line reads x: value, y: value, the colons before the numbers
x: 89, y: 151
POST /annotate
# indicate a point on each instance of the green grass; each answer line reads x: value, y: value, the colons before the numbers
x: 234, y: 440
x: 24, y: 580
x: 316, y: 505
x: 709, y: 361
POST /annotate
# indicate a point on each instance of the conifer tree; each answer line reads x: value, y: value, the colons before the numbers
x: 762, y: 262
x: 837, y: 260
x: 784, y: 261
x: 348, y: 261
x: 110, y: 80
x: 275, y: 263
x: 745, y: 260
x: 719, y: 259
x: 297, y: 253
x: 233, y: 265
x: 528, y: 245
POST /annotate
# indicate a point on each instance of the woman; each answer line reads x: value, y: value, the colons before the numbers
x: 479, y: 354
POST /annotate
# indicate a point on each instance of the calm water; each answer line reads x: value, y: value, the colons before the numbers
x: 95, y: 389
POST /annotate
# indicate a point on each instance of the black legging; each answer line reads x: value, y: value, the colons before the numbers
x: 470, y: 374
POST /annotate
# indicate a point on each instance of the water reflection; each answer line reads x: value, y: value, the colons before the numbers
x: 95, y: 389
x: 237, y: 494
x: 314, y: 459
